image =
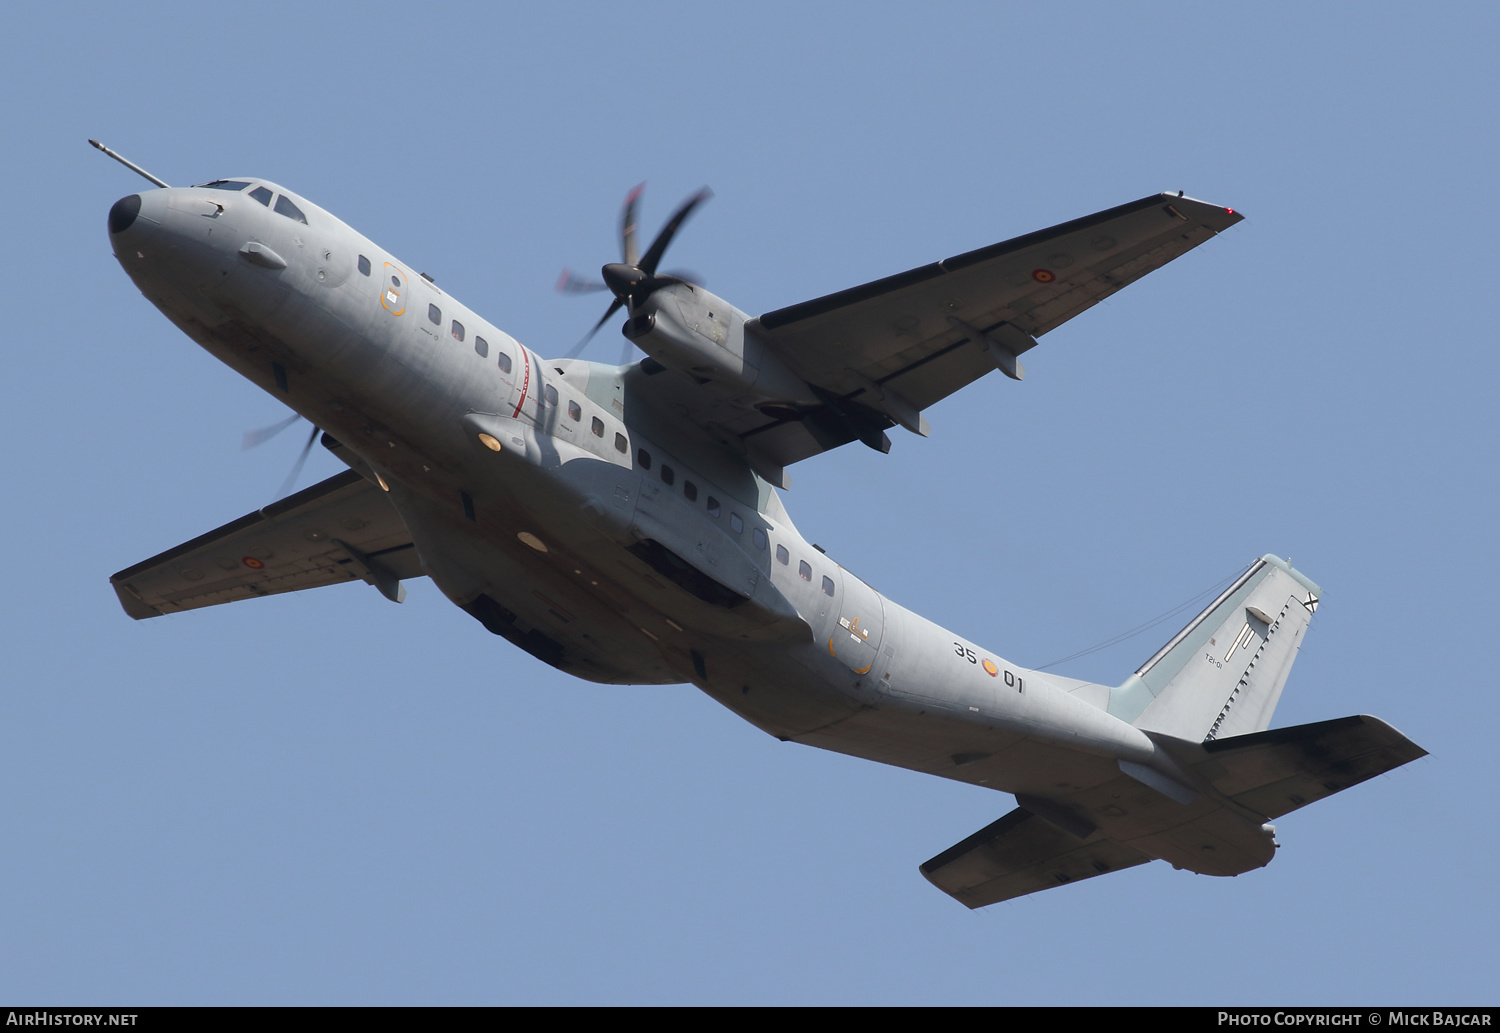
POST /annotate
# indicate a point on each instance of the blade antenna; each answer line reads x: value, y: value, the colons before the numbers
x: 132, y: 166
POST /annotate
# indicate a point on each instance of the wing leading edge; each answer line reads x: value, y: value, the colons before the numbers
x: 342, y: 529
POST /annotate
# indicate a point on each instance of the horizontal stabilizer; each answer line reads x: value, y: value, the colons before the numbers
x: 342, y: 529
x: 1275, y: 772
x: 1246, y: 780
x: 1020, y: 854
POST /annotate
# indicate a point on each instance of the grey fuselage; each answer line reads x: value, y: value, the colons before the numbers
x: 528, y: 495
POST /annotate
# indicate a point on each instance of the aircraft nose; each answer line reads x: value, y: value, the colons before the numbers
x: 137, y: 216
x: 123, y: 213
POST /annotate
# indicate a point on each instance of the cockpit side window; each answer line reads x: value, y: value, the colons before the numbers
x: 291, y: 211
x: 262, y: 195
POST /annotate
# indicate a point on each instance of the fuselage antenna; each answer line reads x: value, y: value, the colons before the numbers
x: 132, y: 166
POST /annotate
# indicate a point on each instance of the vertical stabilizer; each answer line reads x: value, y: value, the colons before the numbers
x: 1222, y: 675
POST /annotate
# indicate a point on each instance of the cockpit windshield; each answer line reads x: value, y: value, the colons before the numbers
x: 226, y: 184
x: 291, y: 211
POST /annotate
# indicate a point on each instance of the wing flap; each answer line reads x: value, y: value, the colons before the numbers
x: 343, y: 529
x: 1020, y: 854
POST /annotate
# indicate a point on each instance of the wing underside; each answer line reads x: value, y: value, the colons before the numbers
x: 907, y: 341
x: 343, y: 529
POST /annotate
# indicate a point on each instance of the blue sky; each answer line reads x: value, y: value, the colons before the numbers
x: 325, y: 798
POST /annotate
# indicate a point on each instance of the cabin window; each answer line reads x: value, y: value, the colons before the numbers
x: 760, y: 539
x: 262, y: 195
x: 713, y: 507
x: 434, y: 315
x: 291, y: 211
x: 481, y: 347
x: 690, y: 491
x: 457, y: 330
x: 644, y: 458
x: 597, y: 426
x: 828, y: 587
x: 736, y: 524
x: 364, y: 266
x: 668, y: 475
x: 504, y: 363
x: 804, y: 570
x: 621, y: 445
x: 575, y: 412
x: 782, y: 556
x: 549, y: 395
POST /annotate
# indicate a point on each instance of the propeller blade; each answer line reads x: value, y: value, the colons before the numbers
x: 659, y: 245
x: 253, y: 438
x: 578, y: 348
x: 291, y: 478
x: 627, y: 226
x: 683, y: 276
x: 570, y: 284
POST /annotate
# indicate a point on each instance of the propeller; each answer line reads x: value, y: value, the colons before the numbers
x: 633, y: 279
x: 255, y: 438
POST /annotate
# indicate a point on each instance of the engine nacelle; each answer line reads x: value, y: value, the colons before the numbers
x: 699, y: 335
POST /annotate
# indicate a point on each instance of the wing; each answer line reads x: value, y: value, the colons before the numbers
x: 893, y: 347
x: 343, y: 529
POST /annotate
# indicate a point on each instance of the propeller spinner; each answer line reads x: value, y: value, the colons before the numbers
x: 633, y: 279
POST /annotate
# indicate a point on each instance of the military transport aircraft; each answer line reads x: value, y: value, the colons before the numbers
x: 622, y: 523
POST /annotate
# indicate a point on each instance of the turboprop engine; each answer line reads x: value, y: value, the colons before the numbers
x: 693, y: 332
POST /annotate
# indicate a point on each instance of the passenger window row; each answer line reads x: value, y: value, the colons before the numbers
x: 804, y: 569
x: 736, y: 522
x: 503, y: 360
x: 455, y: 328
x: 575, y: 413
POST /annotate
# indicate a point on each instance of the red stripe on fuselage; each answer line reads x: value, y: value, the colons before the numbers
x: 525, y: 381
